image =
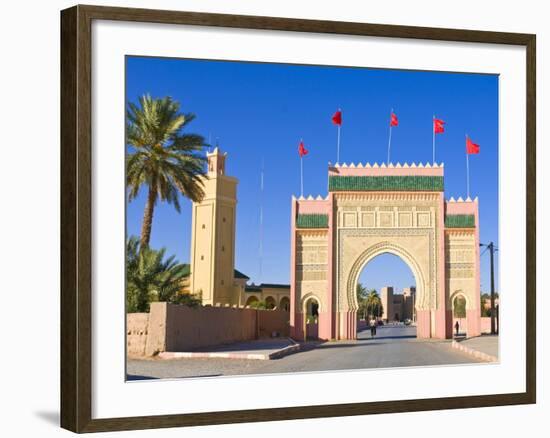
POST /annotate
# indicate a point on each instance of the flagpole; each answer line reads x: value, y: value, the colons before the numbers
x: 261, y: 248
x: 338, y: 146
x: 301, y: 176
x: 433, y: 139
x: 467, y: 170
x: 389, y: 139
x: 389, y: 147
x: 468, y: 174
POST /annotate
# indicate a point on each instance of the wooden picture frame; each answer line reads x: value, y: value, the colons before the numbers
x: 76, y: 217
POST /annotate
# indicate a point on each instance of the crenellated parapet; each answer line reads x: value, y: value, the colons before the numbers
x: 384, y: 169
x: 461, y: 213
x: 312, y: 212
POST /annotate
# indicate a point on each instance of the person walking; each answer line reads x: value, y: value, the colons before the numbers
x: 457, y: 327
x: 372, y: 324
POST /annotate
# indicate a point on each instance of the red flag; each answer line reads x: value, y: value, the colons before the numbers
x: 438, y: 126
x: 337, y: 118
x: 393, y: 120
x: 471, y: 147
x: 302, y: 150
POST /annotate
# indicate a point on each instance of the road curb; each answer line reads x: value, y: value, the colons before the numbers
x: 276, y: 354
x: 294, y: 348
x: 475, y: 353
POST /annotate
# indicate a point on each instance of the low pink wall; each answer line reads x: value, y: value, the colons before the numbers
x: 172, y: 327
x: 136, y: 333
x: 191, y: 328
x: 273, y: 321
x: 474, y: 328
x: 486, y: 324
x: 156, y: 331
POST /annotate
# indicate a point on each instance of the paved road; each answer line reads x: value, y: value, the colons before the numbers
x: 487, y: 344
x: 392, y: 347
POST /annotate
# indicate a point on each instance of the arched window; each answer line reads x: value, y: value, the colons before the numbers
x: 285, y: 304
x: 251, y: 300
x: 270, y: 303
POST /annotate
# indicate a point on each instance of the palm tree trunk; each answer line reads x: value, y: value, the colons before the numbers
x: 148, y: 218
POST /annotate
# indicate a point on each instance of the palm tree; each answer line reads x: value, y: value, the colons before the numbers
x: 373, y: 303
x: 163, y: 159
x: 149, y: 277
x: 361, y: 300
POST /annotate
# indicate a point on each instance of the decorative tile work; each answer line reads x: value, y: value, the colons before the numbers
x: 312, y: 221
x: 460, y: 221
x: 413, y: 183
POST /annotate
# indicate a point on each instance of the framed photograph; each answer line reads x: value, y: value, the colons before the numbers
x: 270, y: 218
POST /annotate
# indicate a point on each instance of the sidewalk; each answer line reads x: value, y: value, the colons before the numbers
x: 483, y: 347
x: 262, y: 349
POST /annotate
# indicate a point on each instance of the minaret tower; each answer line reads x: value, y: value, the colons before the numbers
x: 213, y: 235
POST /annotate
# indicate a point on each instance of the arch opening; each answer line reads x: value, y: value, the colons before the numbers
x: 311, y: 317
x: 459, y: 306
x: 386, y: 290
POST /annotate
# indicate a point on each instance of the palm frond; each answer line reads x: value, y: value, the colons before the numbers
x: 150, y: 276
x: 161, y: 157
x: 169, y: 162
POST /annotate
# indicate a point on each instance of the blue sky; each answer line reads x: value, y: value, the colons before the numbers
x: 261, y: 111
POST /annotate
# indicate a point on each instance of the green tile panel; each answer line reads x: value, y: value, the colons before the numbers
x: 312, y: 221
x: 410, y: 183
x: 460, y: 221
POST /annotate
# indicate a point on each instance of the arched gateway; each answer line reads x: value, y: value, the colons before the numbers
x: 371, y: 210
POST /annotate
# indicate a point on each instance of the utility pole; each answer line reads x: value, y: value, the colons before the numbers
x: 491, y: 253
x: 491, y: 247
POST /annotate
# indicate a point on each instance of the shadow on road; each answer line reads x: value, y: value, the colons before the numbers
x: 132, y: 377
x: 388, y: 337
x: 312, y: 345
x: 135, y: 377
x: 351, y: 345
